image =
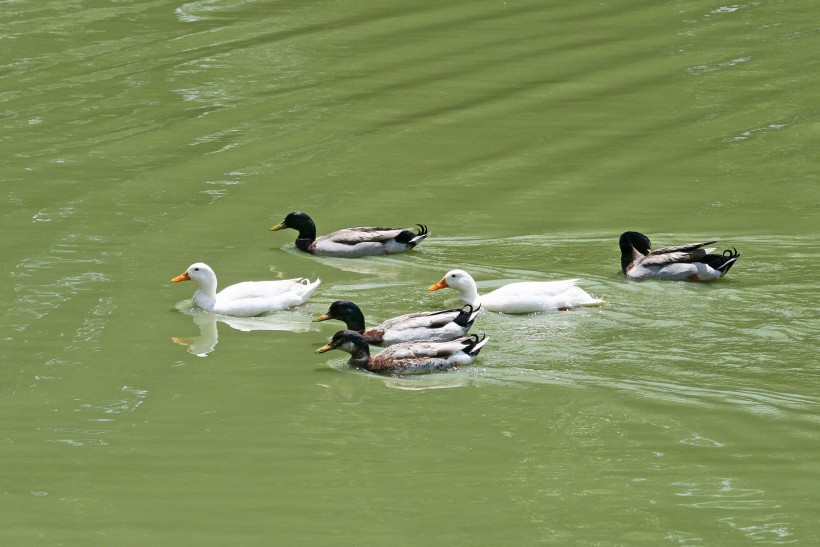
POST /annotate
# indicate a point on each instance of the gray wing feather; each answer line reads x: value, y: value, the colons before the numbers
x: 677, y: 254
x: 421, y: 320
x: 681, y: 248
x: 410, y: 350
x: 362, y: 234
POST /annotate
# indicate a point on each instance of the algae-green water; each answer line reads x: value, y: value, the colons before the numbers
x: 140, y: 137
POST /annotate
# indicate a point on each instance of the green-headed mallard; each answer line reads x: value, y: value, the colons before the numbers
x: 433, y: 326
x: 408, y: 357
x: 681, y: 262
x: 351, y: 242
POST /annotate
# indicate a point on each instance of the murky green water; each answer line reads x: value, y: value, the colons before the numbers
x: 139, y: 137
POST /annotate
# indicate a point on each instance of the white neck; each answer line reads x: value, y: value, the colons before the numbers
x: 469, y: 295
x: 205, y: 295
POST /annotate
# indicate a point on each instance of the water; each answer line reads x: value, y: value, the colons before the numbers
x: 139, y: 137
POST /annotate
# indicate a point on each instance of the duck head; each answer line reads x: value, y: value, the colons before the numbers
x: 460, y: 281
x: 205, y: 278
x: 299, y: 222
x: 351, y: 342
x: 343, y: 310
x: 630, y: 243
x: 200, y: 273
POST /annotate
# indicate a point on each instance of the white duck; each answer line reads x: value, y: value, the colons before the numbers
x: 524, y: 297
x: 246, y: 299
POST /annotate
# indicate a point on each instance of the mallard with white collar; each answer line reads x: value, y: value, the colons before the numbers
x: 351, y: 242
x: 431, y: 326
x: 678, y: 263
x: 408, y: 357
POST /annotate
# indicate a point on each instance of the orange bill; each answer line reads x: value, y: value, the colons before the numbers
x: 326, y: 347
x: 181, y: 277
x: 440, y: 285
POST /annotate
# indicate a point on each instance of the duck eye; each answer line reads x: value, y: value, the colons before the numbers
x: 196, y: 269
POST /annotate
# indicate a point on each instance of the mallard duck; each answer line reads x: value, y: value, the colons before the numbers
x: 432, y: 326
x: 675, y: 263
x: 245, y: 299
x: 407, y: 357
x: 351, y: 242
x: 524, y: 297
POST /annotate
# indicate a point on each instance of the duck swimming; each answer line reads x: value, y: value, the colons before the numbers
x: 408, y: 357
x: 524, y: 297
x: 674, y: 263
x: 351, y: 242
x: 432, y: 326
x: 245, y: 299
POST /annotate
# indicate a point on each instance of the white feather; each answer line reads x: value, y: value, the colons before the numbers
x: 523, y: 297
x: 248, y: 298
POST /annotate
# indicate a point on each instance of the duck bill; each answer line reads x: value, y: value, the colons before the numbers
x: 326, y: 347
x: 182, y: 277
x: 440, y: 285
x: 323, y: 317
x: 280, y: 226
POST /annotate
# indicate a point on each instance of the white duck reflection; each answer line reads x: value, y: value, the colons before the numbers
x: 208, y: 337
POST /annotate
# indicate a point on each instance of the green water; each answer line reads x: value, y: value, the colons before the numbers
x: 139, y: 137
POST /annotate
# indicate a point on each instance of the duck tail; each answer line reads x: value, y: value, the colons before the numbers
x: 411, y: 238
x: 308, y: 286
x: 474, y: 344
x: 467, y: 315
x: 731, y: 257
x: 722, y: 262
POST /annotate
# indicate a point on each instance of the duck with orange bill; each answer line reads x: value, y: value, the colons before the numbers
x: 246, y: 299
x: 519, y: 298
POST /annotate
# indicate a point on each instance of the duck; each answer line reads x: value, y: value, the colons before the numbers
x: 408, y: 357
x: 682, y: 262
x: 351, y: 242
x: 246, y: 299
x: 519, y: 298
x: 432, y: 326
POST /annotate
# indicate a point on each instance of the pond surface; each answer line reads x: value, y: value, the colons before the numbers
x: 140, y: 137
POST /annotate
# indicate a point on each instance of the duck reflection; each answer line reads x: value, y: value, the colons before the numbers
x: 208, y: 337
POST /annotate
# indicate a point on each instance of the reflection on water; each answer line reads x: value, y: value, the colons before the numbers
x: 453, y: 378
x: 208, y: 337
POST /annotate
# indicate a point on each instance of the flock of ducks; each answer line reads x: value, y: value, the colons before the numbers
x: 433, y: 340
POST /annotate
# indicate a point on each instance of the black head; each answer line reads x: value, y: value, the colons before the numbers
x: 349, y: 341
x: 299, y: 222
x: 629, y: 243
x: 344, y: 310
x: 634, y: 240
